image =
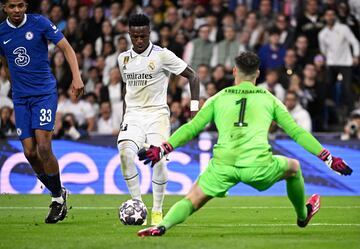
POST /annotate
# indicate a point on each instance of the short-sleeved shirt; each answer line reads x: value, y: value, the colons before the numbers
x: 243, y: 115
x: 25, y: 48
x: 146, y: 76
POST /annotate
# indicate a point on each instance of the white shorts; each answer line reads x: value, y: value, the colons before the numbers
x: 150, y: 128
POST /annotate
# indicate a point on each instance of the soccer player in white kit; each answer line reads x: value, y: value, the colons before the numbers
x: 145, y: 71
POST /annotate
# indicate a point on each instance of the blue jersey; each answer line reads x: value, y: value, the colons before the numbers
x: 26, y: 50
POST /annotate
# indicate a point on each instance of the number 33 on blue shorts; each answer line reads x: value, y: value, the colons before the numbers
x: 34, y: 112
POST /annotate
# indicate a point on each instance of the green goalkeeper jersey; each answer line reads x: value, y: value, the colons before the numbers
x: 243, y: 115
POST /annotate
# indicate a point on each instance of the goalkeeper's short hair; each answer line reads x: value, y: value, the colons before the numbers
x: 247, y: 63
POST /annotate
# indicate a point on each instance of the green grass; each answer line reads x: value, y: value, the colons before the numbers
x: 234, y: 222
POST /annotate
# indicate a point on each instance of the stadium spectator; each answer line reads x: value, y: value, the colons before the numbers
x: 224, y: 51
x: 88, y: 56
x: 266, y: 16
x: 319, y: 62
x: 93, y: 78
x: 187, y: 28
x: 61, y: 71
x: 341, y: 49
x: 272, y: 53
x: 240, y: 16
x: 255, y: 30
x: 309, y: 24
x: 220, y: 78
x: 106, y: 36
x: 166, y: 40
x: 5, y: 85
x: 71, y: 8
x: 352, y: 127
x: 211, y: 89
x: 287, y: 33
x: 172, y: 18
x: 272, y: 84
x: 216, y: 33
x: 111, y: 60
x: 83, y: 112
x: 303, y: 54
x: 45, y: 6
x: 298, y: 113
x: 121, y: 29
x: 197, y: 51
x: 56, y: 16
x: 204, y: 77
x: 112, y: 93
x: 355, y: 8
x: 72, y: 33
x: 7, y: 127
x: 129, y: 7
x: 114, y: 13
x: 289, y: 68
x: 107, y: 123
x: 94, y: 28
x: 176, y: 118
x: 91, y: 98
x: 313, y: 97
x: 217, y: 9
x: 345, y: 17
x: 186, y: 8
x: 84, y: 24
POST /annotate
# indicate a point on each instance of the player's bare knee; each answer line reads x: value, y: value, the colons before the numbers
x: 44, y: 151
x: 30, y: 154
x: 294, y: 166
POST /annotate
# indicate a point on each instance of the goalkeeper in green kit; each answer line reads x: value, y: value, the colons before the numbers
x: 242, y: 114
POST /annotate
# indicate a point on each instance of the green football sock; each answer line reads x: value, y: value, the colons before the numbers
x: 178, y: 213
x: 296, y: 193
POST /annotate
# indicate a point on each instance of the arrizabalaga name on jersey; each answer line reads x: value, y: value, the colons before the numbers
x: 244, y: 91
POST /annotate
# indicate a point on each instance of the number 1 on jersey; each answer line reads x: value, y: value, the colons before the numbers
x: 241, y: 122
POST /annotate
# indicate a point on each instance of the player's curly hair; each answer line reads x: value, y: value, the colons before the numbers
x: 247, y: 62
x: 138, y: 20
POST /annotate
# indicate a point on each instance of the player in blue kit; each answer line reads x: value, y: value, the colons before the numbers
x: 24, y: 44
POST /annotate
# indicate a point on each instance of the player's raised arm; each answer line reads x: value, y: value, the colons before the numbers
x: 194, y: 82
x: 77, y: 84
x: 181, y: 136
x: 307, y: 141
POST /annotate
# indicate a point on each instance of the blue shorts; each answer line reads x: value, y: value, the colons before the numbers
x: 35, y: 112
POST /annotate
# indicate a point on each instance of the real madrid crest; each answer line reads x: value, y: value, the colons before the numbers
x: 151, y: 65
x: 29, y: 35
x: 125, y: 61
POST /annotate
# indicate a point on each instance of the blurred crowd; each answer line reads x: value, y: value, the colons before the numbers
x: 309, y: 52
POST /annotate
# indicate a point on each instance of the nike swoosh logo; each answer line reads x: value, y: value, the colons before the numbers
x: 42, y: 124
x: 6, y: 42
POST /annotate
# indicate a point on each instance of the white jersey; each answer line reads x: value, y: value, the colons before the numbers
x: 146, y: 76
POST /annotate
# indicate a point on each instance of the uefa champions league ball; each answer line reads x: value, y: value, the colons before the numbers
x: 132, y: 212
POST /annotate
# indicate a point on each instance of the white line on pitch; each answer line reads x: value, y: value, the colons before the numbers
x: 243, y: 207
x: 267, y: 225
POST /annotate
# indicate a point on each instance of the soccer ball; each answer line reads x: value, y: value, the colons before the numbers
x: 132, y: 212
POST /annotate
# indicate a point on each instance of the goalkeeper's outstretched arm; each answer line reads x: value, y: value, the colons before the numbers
x: 307, y: 141
x: 191, y: 129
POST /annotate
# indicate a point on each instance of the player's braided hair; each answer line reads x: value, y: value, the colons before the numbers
x: 138, y: 20
x: 247, y: 62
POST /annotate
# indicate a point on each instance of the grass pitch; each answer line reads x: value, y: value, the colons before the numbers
x: 233, y: 222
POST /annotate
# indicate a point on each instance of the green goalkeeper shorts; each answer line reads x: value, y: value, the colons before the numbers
x: 216, y: 180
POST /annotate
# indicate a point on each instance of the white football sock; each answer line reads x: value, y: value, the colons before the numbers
x: 128, y: 150
x: 159, y: 182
